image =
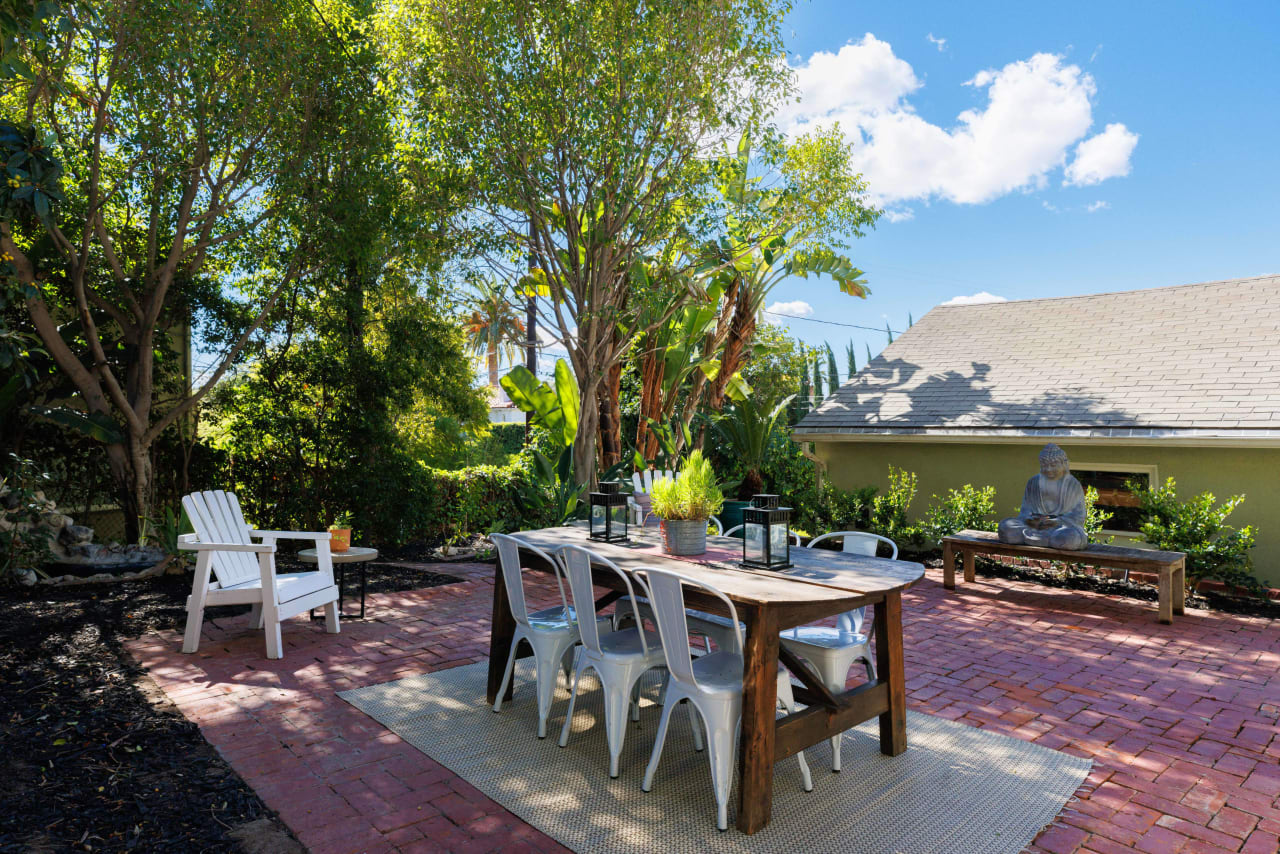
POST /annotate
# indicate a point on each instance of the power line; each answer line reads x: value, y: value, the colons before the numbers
x: 831, y: 322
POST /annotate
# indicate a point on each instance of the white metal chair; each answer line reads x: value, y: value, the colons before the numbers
x: 795, y: 538
x: 831, y: 651
x: 246, y: 571
x: 712, y: 683
x: 619, y: 658
x: 551, y: 633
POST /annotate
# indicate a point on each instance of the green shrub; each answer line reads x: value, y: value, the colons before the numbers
x: 834, y: 509
x: 694, y: 495
x: 1095, y: 518
x: 889, y: 511
x: 965, y: 508
x: 1197, y: 526
x: 23, y: 544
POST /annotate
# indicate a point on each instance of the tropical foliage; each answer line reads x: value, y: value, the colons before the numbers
x: 694, y: 495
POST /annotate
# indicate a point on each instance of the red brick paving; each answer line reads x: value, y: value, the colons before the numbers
x: 1181, y: 721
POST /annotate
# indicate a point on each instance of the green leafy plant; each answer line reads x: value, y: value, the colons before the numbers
x: 1095, y: 518
x: 968, y: 508
x: 23, y: 544
x: 695, y: 494
x: 164, y: 531
x: 1197, y: 526
x: 554, y: 409
x: 342, y: 520
x: 746, y: 432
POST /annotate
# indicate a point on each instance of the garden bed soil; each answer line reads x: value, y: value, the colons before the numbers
x: 93, y: 757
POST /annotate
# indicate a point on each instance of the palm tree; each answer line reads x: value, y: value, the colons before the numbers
x: 746, y: 429
x: 493, y: 327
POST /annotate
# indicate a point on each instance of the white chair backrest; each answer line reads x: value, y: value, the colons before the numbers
x: 513, y: 575
x: 795, y: 538
x: 216, y: 517
x: 858, y: 542
x: 665, y: 591
x: 577, y: 563
x: 719, y: 525
x: 643, y: 481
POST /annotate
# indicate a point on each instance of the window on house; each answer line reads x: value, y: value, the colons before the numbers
x: 1115, y: 495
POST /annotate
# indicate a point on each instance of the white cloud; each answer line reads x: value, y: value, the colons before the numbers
x: 1094, y: 207
x: 899, y: 214
x: 795, y: 308
x: 940, y: 44
x: 1102, y: 156
x: 1036, y: 109
x: 974, y: 299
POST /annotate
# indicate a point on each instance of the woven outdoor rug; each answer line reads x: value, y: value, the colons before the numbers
x: 957, y: 789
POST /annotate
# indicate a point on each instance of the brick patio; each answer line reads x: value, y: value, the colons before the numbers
x: 1182, y: 721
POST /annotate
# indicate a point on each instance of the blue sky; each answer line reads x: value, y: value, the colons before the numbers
x: 1181, y: 102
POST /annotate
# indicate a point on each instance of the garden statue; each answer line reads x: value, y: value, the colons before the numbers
x: 1053, y: 508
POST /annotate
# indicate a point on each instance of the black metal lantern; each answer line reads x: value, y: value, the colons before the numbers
x: 608, y: 514
x: 766, y: 534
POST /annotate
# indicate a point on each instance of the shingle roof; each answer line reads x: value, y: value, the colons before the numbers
x: 1193, y: 360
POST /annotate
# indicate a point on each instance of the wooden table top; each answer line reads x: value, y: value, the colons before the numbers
x: 818, y: 575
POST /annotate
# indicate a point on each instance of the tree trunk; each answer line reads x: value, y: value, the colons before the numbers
x: 741, y: 331
x: 611, y: 418
x: 584, y: 444
x: 651, y: 378
x: 492, y: 359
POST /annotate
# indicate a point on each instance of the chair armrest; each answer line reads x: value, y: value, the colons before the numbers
x: 292, y: 535
x: 192, y: 545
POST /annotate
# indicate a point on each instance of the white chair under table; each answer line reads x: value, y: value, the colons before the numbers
x: 551, y: 633
x: 245, y: 571
x: 832, y: 650
x: 642, y: 486
x: 619, y: 658
x: 711, y: 683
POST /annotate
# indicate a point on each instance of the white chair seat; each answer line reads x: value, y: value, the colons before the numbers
x: 626, y: 644
x: 719, y: 672
x: 549, y: 619
x: 823, y: 637
x: 294, y: 585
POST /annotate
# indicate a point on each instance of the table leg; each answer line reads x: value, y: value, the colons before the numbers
x: 948, y: 567
x: 1180, y: 589
x: 502, y: 629
x: 363, y: 581
x: 759, y: 702
x: 968, y: 566
x: 1166, y: 594
x: 891, y: 669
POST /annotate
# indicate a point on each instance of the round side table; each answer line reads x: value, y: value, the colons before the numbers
x: 355, y: 554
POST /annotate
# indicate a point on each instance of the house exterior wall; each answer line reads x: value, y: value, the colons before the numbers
x: 940, y: 466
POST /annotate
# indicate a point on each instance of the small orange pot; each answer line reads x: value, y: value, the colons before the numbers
x: 341, y: 540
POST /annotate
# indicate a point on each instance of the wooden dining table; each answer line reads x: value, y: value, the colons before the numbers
x: 821, y: 583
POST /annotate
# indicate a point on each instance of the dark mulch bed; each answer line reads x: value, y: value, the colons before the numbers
x: 93, y: 757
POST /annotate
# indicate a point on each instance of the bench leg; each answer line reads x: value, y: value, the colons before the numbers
x: 1180, y: 589
x: 948, y: 567
x: 1166, y: 594
x: 968, y: 567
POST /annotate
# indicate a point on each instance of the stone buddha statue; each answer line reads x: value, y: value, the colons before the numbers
x: 1053, y: 508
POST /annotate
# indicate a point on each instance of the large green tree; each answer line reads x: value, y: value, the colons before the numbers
x: 586, y: 130
x: 161, y: 157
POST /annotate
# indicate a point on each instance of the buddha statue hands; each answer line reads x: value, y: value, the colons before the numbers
x: 1053, y: 508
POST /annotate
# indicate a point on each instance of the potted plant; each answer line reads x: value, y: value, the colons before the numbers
x: 341, y: 532
x: 685, y: 504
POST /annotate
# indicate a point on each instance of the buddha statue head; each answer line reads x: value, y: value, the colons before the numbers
x: 1053, y: 462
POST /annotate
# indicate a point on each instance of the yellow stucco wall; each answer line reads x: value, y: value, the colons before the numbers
x: 940, y: 466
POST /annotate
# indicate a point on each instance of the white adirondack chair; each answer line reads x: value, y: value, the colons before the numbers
x: 225, y: 548
x: 643, y: 486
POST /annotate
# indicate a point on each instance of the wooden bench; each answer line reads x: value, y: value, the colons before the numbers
x: 1171, y: 566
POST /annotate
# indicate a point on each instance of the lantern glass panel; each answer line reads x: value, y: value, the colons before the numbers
x: 753, y: 542
x: 778, y: 541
